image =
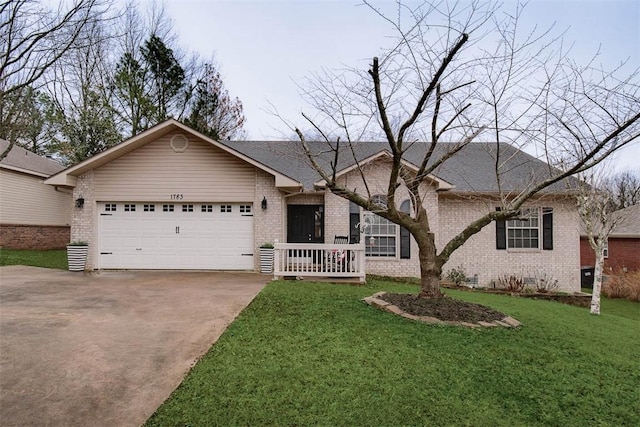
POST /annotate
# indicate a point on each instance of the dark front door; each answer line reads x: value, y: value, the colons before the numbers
x: 305, y: 224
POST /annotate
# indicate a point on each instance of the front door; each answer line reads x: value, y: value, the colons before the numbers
x: 305, y: 224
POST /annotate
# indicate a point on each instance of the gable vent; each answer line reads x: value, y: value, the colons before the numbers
x: 179, y: 143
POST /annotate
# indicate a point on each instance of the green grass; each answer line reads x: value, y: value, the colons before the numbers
x: 47, y: 259
x: 314, y: 354
x: 621, y: 307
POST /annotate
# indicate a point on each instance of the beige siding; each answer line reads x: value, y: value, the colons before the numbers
x: 24, y: 199
x: 155, y: 172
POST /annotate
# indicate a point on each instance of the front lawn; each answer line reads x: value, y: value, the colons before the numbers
x: 314, y: 354
x: 47, y: 259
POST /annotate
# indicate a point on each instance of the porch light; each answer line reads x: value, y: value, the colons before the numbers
x: 264, y: 203
x: 79, y: 202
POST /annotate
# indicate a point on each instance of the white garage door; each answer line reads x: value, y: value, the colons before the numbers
x: 146, y: 235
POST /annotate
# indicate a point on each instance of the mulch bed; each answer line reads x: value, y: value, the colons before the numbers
x: 443, y: 308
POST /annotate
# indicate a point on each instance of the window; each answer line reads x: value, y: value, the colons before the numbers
x: 532, y: 229
x: 606, y: 249
x: 380, y: 234
x: 225, y: 208
x: 129, y: 208
x: 110, y: 207
x: 187, y: 208
x: 149, y: 208
x: 207, y: 208
x: 167, y: 208
x: 245, y: 208
x: 523, y: 232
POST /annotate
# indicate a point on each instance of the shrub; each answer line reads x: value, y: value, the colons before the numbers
x: 457, y: 275
x: 511, y: 283
x: 623, y: 285
x: 544, y: 284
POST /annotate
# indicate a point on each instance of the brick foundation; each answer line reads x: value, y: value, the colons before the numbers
x: 39, y: 237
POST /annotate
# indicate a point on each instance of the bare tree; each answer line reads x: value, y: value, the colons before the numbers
x: 81, y: 121
x: 462, y: 72
x: 599, y: 216
x: 34, y: 37
x: 626, y: 188
x: 212, y: 111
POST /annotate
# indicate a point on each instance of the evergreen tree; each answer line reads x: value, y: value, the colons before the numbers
x: 131, y: 95
x: 167, y: 76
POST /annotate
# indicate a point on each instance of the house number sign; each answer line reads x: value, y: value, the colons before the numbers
x: 177, y: 196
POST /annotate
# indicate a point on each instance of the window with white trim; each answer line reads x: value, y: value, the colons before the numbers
x: 225, y: 208
x: 167, y: 208
x: 149, y: 208
x: 207, y: 208
x: 129, y: 208
x: 245, y: 208
x: 187, y: 208
x: 606, y: 249
x: 523, y: 232
x: 380, y: 235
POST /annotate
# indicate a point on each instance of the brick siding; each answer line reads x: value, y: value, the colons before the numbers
x: 269, y: 223
x: 37, y: 237
x: 480, y: 256
x: 623, y: 253
x: 84, y: 224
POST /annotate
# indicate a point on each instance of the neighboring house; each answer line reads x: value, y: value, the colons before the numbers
x: 623, y: 247
x: 32, y: 215
x: 171, y: 198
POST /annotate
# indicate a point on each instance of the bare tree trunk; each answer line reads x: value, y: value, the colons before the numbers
x: 430, y: 267
x: 597, y: 279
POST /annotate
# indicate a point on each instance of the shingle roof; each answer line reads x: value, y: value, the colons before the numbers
x: 25, y: 160
x: 629, y: 225
x: 470, y: 170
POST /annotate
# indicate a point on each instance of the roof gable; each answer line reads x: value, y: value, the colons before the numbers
x: 385, y: 154
x: 68, y: 176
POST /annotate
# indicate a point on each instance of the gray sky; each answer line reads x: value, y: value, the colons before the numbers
x: 263, y: 47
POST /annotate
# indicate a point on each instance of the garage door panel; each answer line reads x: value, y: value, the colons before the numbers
x: 182, y: 239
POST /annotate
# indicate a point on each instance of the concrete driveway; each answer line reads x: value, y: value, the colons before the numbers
x: 106, y: 348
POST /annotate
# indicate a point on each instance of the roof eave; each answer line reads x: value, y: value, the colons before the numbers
x: 24, y: 171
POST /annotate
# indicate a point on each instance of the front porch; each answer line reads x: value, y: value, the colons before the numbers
x: 339, y: 261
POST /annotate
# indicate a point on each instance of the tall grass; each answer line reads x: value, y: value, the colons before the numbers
x: 623, y: 285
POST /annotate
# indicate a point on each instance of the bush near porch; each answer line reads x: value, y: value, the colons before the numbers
x: 314, y: 354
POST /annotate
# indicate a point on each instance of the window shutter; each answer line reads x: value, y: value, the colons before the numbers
x: 354, y: 221
x: 405, y: 236
x: 547, y: 229
x: 501, y: 233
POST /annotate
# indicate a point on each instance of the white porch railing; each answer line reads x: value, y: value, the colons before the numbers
x: 319, y: 260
